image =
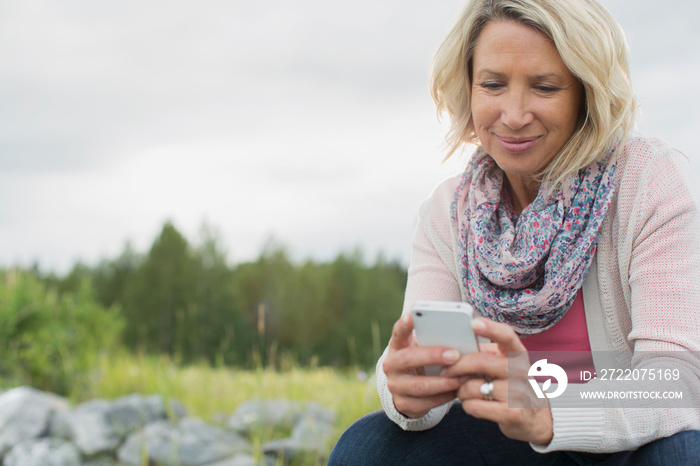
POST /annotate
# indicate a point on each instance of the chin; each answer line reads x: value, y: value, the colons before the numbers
x: 518, y: 169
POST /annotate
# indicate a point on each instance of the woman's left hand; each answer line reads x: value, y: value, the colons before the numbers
x: 532, y: 420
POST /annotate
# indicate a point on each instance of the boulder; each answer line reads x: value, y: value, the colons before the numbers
x: 43, y: 452
x: 309, y: 438
x: 251, y: 415
x: 100, y: 460
x: 245, y: 460
x: 132, y: 411
x: 25, y: 414
x: 101, y: 426
x: 87, y: 426
x: 38, y: 428
x: 192, y: 442
x: 319, y: 413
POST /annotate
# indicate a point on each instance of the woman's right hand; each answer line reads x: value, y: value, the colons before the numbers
x: 415, y: 393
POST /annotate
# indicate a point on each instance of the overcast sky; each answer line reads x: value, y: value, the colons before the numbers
x: 306, y: 120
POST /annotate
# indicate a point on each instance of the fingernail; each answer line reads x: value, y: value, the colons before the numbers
x: 404, y: 318
x: 464, y: 378
x: 450, y: 356
x: 478, y: 325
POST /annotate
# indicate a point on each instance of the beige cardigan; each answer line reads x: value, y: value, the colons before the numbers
x: 642, y: 293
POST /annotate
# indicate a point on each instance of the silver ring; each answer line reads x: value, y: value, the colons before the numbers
x: 487, y: 390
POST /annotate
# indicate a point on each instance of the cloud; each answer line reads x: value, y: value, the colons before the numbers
x: 310, y: 119
x: 84, y: 81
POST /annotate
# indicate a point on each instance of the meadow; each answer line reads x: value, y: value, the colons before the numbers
x: 183, y: 322
x: 213, y: 392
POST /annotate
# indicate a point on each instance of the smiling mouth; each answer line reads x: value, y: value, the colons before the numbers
x: 517, y: 144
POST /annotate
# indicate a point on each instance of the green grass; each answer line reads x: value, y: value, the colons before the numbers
x: 210, y: 392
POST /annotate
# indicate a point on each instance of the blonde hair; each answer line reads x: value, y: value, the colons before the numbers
x: 591, y: 44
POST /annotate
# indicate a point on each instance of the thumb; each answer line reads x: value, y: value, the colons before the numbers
x: 402, y: 332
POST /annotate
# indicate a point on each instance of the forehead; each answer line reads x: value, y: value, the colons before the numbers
x: 507, y: 43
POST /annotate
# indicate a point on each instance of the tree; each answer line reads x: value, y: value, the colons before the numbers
x: 157, y: 300
x: 112, y: 277
x: 215, y: 319
x: 263, y: 290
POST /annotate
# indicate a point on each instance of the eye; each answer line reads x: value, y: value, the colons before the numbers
x: 546, y: 88
x: 491, y: 85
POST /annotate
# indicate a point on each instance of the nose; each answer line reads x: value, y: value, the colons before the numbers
x: 515, y: 111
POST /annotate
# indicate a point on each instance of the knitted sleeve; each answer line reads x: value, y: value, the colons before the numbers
x: 432, y: 276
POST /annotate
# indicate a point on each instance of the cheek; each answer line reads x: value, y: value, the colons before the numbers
x: 482, y: 113
x: 560, y: 118
x: 573, y: 110
x: 567, y: 125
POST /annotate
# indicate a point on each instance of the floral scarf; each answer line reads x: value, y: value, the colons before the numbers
x: 525, y: 271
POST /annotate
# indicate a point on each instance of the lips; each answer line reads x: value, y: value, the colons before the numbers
x: 517, y: 144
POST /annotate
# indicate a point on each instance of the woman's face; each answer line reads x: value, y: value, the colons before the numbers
x: 525, y: 101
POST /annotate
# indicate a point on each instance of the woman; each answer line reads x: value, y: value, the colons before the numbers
x: 565, y: 234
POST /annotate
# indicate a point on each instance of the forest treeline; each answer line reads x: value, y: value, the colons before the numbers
x: 188, y: 302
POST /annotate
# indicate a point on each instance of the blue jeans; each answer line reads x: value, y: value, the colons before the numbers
x: 460, y: 439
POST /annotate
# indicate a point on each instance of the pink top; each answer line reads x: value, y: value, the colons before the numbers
x: 568, y: 340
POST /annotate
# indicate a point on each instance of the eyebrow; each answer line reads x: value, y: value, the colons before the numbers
x: 498, y: 74
x: 490, y: 72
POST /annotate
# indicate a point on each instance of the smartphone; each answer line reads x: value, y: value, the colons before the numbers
x: 447, y: 324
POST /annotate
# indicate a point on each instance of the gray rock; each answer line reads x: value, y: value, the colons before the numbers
x: 144, y: 442
x: 280, y: 414
x: 192, y: 442
x: 43, y: 452
x: 291, y: 451
x: 87, y: 427
x: 101, y: 426
x: 245, y: 460
x: 25, y: 414
x: 132, y: 411
x: 147, y: 425
x: 312, y: 432
x: 100, y: 460
x: 309, y: 438
x: 319, y: 413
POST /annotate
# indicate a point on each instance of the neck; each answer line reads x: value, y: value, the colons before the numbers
x: 522, y: 191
